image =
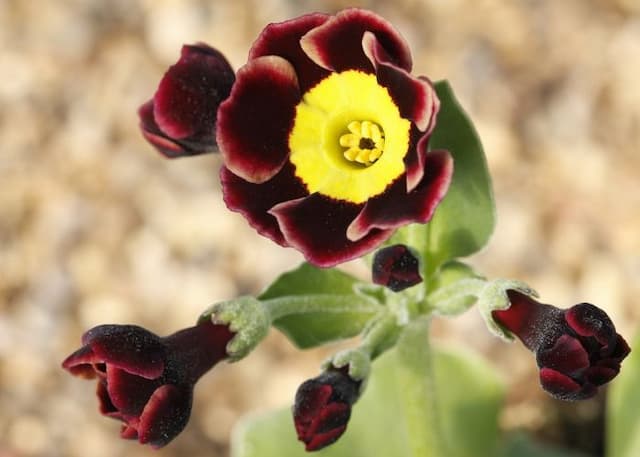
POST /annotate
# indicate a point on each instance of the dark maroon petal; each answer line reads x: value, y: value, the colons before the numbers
x: 151, y: 132
x: 255, y: 121
x: 190, y: 92
x: 589, y: 320
x: 415, y: 97
x: 311, y: 397
x: 337, y: 44
x: 129, y: 347
x: 128, y: 433
x: 81, y: 363
x: 317, y: 226
x: 254, y: 201
x: 599, y: 375
x: 106, y: 406
x: 414, y: 161
x: 283, y: 39
x: 620, y: 351
x: 566, y: 356
x: 195, y: 350
x: 105, y: 330
x: 165, y: 416
x: 332, y: 416
x: 329, y: 424
x: 395, y: 207
x: 563, y: 387
x: 396, y: 267
x: 536, y: 324
x: 322, y: 440
x: 128, y: 393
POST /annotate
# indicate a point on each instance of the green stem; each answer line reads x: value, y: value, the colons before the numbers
x: 454, y: 298
x: 382, y: 335
x: 416, y: 377
x: 285, y: 306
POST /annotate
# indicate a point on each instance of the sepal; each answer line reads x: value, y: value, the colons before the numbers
x: 494, y: 297
x: 247, y: 317
x: 356, y: 361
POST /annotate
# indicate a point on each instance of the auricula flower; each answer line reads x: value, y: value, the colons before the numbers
x: 325, y: 137
x: 577, y: 349
x: 323, y: 407
x: 147, y: 381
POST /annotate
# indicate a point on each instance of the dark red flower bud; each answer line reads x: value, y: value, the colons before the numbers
x: 577, y: 349
x: 396, y: 267
x: 323, y: 406
x: 147, y: 381
x: 180, y: 120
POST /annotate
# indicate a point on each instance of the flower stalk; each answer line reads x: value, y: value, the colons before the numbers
x: 419, y: 393
x: 280, y: 307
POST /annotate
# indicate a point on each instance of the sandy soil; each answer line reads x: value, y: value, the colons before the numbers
x: 95, y: 227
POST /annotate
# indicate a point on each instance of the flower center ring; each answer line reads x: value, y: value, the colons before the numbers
x: 348, y: 140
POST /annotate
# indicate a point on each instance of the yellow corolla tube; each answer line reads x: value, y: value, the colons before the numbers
x: 348, y: 141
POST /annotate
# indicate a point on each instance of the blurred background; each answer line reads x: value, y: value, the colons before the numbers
x: 95, y: 227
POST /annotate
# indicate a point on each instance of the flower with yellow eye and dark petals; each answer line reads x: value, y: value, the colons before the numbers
x: 325, y: 137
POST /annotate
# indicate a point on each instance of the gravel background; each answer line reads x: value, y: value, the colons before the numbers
x: 97, y: 228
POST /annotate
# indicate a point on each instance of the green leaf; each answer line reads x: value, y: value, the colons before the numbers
x: 464, y: 220
x: 310, y: 280
x: 623, y: 417
x: 314, y: 306
x: 451, y: 272
x: 469, y: 394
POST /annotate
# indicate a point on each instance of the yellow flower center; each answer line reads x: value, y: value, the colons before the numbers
x: 348, y: 140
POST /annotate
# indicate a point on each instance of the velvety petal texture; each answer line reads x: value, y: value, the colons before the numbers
x: 337, y: 44
x: 414, y: 96
x: 325, y: 137
x: 577, y: 350
x: 283, y: 39
x: 322, y: 408
x: 253, y: 122
x: 147, y: 381
x: 397, y: 207
x: 396, y: 267
x: 180, y: 119
x: 317, y: 225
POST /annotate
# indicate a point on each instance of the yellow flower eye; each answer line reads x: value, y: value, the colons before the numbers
x: 348, y: 141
